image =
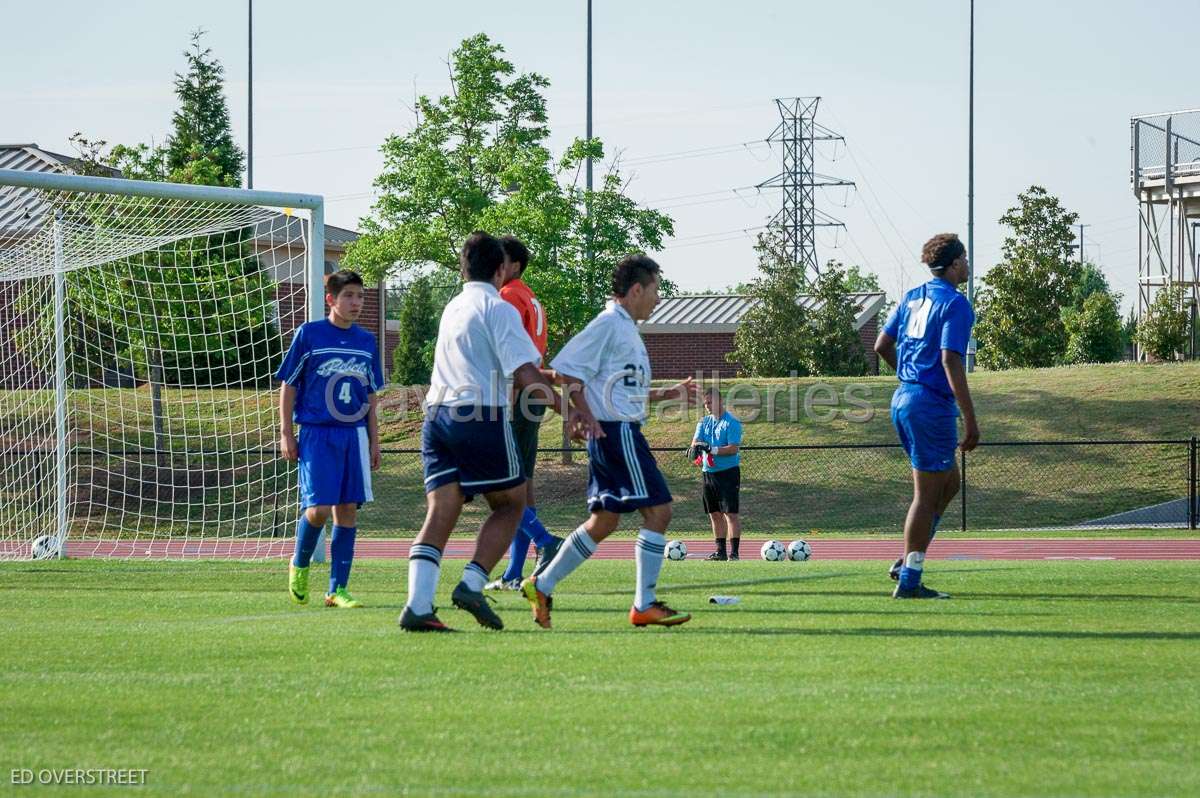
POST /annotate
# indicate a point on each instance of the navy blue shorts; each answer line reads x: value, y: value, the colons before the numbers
x: 335, y: 465
x: 471, y: 446
x: 927, y: 424
x: 623, y: 475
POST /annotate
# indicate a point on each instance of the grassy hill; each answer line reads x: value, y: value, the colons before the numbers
x: 858, y: 490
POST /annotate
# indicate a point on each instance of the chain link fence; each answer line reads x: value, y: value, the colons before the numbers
x: 862, y: 488
x: 1165, y: 144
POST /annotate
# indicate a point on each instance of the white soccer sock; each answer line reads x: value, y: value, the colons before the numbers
x: 571, y: 554
x: 649, y: 555
x: 424, y: 566
x: 474, y: 577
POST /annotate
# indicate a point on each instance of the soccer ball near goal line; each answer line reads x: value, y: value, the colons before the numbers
x: 773, y: 551
x: 676, y: 550
x: 43, y: 548
x: 799, y: 551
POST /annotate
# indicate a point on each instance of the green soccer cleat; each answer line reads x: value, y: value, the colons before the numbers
x: 298, y: 584
x: 341, y: 599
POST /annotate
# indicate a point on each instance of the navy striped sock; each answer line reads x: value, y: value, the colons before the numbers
x: 474, y: 577
x: 424, y: 567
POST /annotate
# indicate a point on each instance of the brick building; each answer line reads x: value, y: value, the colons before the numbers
x: 275, y: 243
x: 694, y: 332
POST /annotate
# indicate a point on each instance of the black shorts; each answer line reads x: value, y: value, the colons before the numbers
x: 525, y: 433
x: 721, y: 489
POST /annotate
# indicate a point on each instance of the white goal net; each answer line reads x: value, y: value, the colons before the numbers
x: 138, y: 340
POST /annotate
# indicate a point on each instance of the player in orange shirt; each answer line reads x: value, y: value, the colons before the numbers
x: 526, y: 421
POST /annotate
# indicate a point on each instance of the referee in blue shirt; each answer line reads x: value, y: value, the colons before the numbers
x: 717, y: 443
x: 925, y: 341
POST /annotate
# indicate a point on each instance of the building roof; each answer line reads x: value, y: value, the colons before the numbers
x: 22, y: 209
x: 700, y: 313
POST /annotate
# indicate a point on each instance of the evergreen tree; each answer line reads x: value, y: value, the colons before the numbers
x: 200, y: 315
x: 418, y: 329
x: 1020, y: 308
x: 833, y: 346
x: 1094, y: 330
x: 1163, y: 331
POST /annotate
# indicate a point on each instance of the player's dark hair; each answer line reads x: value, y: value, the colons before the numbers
x: 634, y: 269
x: 481, y: 257
x: 516, y: 251
x: 941, y: 251
x: 334, y: 283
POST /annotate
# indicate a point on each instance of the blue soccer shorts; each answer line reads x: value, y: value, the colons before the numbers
x: 927, y: 424
x: 473, y: 446
x: 623, y: 475
x: 335, y: 465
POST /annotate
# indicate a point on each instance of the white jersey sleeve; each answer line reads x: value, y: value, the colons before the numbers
x: 581, y: 358
x: 513, y: 346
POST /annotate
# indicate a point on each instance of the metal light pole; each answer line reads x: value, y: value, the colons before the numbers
x: 971, y: 187
x: 250, y: 94
x: 589, y: 93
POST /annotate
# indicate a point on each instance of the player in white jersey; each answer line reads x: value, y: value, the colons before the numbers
x: 466, y: 441
x: 608, y: 361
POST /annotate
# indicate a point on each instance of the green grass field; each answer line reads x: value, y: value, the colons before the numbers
x: 1038, y: 678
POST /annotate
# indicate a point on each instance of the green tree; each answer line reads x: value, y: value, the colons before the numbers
x: 478, y: 158
x: 1020, y: 308
x: 833, y: 345
x: 418, y: 327
x: 1090, y: 280
x: 198, y: 314
x: 1094, y: 330
x: 1163, y: 330
x: 769, y: 341
x: 785, y: 332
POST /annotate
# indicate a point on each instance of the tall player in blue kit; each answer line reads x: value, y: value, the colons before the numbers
x: 467, y: 440
x: 608, y: 361
x: 925, y: 341
x: 331, y: 376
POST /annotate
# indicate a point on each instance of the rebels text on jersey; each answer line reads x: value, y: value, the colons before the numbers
x: 334, y: 372
x: 610, y: 357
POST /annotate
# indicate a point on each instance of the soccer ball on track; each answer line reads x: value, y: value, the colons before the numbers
x: 43, y: 548
x: 676, y: 550
x: 773, y: 551
x: 799, y: 551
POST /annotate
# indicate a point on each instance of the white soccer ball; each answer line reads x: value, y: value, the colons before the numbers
x: 799, y: 551
x: 43, y: 548
x: 676, y: 550
x: 773, y: 551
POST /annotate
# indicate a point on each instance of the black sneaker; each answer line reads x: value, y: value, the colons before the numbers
x: 918, y: 592
x: 733, y: 557
x: 716, y: 555
x: 546, y: 555
x: 894, y: 571
x: 477, y: 604
x: 411, y: 622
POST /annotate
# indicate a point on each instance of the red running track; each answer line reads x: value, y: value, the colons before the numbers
x: 622, y: 549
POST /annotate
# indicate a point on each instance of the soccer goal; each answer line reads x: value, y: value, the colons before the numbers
x: 140, y: 327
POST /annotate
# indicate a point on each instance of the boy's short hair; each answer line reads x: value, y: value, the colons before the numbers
x: 634, y: 269
x: 516, y: 251
x: 481, y: 257
x: 335, y: 282
x: 941, y: 251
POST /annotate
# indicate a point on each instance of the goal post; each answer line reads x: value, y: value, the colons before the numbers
x: 140, y: 327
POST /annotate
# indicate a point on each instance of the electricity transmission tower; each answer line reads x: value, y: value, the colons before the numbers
x: 797, y: 221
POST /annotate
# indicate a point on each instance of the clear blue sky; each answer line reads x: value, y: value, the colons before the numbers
x: 1056, y: 83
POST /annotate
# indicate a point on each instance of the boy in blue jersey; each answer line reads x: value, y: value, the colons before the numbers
x: 331, y: 376
x: 718, y: 440
x: 925, y: 341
